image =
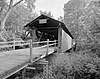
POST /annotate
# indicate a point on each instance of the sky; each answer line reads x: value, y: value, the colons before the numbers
x: 55, y: 6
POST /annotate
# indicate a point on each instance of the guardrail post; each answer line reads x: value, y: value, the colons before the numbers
x: 31, y: 51
x: 47, y: 47
x: 55, y: 45
x: 14, y: 45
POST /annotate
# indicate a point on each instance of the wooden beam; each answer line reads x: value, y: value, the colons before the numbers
x: 48, y: 28
x: 59, y: 39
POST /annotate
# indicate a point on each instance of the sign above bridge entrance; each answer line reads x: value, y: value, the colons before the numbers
x: 42, y: 21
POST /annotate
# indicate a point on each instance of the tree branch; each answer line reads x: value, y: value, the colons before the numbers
x: 1, y: 10
x: 17, y: 3
x: 2, y: 6
x: 94, y: 21
x: 95, y: 12
x: 11, y: 4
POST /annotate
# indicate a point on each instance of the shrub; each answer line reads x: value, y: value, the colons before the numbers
x: 75, y: 66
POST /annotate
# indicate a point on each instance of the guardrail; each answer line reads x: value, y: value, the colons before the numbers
x: 53, y: 43
x: 30, y: 43
x: 22, y: 43
x: 14, y: 43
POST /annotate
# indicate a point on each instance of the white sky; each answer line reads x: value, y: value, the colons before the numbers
x: 55, y: 6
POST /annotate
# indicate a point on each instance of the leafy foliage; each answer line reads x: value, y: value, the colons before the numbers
x: 74, y: 66
x: 14, y: 15
x: 82, y: 19
x: 46, y: 13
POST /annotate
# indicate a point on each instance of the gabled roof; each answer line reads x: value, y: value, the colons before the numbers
x: 48, y: 25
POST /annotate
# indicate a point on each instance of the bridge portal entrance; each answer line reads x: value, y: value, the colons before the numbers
x: 44, y: 27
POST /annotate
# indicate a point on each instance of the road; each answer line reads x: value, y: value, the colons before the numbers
x: 11, y: 61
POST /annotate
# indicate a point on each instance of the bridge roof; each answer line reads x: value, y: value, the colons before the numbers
x: 48, y: 25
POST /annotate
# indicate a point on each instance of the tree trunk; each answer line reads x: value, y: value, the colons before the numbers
x: 2, y: 29
x: 4, y: 19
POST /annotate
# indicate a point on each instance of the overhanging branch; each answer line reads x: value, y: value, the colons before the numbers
x: 17, y: 3
x: 11, y: 4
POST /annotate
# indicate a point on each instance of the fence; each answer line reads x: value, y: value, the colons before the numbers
x: 14, y: 43
x: 53, y: 43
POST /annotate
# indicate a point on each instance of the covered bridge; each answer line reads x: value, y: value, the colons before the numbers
x: 44, y: 27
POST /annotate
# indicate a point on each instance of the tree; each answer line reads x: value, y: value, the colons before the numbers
x: 10, y: 7
x: 61, y: 19
x: 18, y: 18
x: 5, y: 12
x: 47, y: 13
x: 82, y: 19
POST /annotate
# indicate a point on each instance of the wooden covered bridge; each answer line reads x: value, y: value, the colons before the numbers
x: 46, y: 34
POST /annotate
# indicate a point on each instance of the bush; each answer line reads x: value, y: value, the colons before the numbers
x: 75, y: 66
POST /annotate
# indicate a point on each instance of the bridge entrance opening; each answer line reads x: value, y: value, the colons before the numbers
x: 44, y: 27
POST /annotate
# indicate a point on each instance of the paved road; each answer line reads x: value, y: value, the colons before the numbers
x: 12, y: 59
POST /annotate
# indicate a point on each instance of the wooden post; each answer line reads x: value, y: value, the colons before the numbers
x: 31, y: 51
x: 59, y: 50
x: 47, y: 47
x: 14, y: 45
x: 55, y: 45
x: 55, y: 42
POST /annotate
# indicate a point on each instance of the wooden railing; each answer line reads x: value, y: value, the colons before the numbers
x: 29, y: 43
x: 13, y: 44
x: 47, y: 45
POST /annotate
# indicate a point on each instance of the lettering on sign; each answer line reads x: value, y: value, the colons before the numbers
x: 42, y: 21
